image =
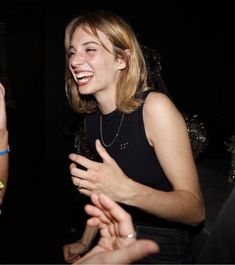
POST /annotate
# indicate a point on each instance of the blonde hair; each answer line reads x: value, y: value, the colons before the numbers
x: 133, y: 78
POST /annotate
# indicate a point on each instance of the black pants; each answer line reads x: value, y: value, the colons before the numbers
x: 175, y: 245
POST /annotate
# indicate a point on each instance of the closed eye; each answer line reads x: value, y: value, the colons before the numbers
x: 70, y: 53
x: 90, y: 50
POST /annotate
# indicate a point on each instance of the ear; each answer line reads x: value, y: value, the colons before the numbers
x: 122, y: 61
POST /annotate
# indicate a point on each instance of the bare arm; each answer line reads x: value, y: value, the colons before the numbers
x: 167, y: 133
x: 3, y: 143
x: 89, y: 235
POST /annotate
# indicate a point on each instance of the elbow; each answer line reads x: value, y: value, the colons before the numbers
x: 199, y: 216
x: 203, y: 214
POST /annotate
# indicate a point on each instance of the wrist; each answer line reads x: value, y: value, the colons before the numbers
x: 131, y: 189
x: 4, y: 151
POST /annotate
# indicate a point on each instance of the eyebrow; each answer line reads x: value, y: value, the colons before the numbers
x: 85, y: 44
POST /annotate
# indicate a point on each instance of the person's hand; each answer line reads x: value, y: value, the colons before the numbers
x: 73, y: 251
x: 127, y: 255
x: 100, y: 177
x: 117, y: 242
x: 3, y: 119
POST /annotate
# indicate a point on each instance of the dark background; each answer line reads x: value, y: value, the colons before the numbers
x: 41, y: 203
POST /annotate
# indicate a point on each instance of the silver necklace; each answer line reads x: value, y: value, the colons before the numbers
x: 116, y: 135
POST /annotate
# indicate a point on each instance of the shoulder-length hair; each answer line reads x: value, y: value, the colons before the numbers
x: 133, y: 78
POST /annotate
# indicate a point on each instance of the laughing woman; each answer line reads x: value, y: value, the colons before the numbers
x: 146, y: 161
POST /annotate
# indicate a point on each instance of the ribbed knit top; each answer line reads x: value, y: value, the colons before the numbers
x: 133, y: 153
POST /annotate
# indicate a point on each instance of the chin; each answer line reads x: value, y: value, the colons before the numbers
x: 84, y: 91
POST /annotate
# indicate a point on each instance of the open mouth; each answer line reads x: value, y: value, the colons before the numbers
x: 84, y: 77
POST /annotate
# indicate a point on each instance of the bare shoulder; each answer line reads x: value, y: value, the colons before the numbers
x: 162, y: 119
x: 158, y: 103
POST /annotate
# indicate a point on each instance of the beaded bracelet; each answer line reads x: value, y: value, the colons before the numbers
x: 4, y: 152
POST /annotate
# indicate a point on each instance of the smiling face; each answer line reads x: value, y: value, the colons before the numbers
x: 94, y: 68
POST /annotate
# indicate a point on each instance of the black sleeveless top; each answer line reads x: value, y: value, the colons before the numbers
x: 133, y: 153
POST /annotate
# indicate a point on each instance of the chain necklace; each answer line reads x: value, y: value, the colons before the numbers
x: 116, y: 135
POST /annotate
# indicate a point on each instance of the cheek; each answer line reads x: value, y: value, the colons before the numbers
x: 70, y: 67
x: 100, y: 63
x: 71, y: 70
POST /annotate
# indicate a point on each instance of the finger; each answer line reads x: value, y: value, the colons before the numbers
x: 102, y: 151
x: 95, y: 198
x: 93, y: 221
x: 119, y: 221
x: 104, y: 229
x: 83, y: 184
x: 78, y: 173
x: 82, y: 160
x: 105, y: 219
x: 98, y: 213
x: 96, y: 201
x: 72, y: 165
x: 118, y: 214
x: 85, y: 192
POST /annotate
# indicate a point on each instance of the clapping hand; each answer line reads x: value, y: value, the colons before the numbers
x: 117, y: 242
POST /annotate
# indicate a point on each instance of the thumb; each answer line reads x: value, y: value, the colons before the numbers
x: 101, y: 150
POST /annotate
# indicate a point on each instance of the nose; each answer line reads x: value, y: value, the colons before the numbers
x: 76, y: 60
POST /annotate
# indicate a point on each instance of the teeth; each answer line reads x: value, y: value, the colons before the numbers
x: 84, y: 74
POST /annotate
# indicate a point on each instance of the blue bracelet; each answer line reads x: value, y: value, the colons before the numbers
x: 4, y: 152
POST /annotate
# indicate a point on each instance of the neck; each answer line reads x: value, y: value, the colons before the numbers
x: 107, y: 110
x: 106, y: 101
